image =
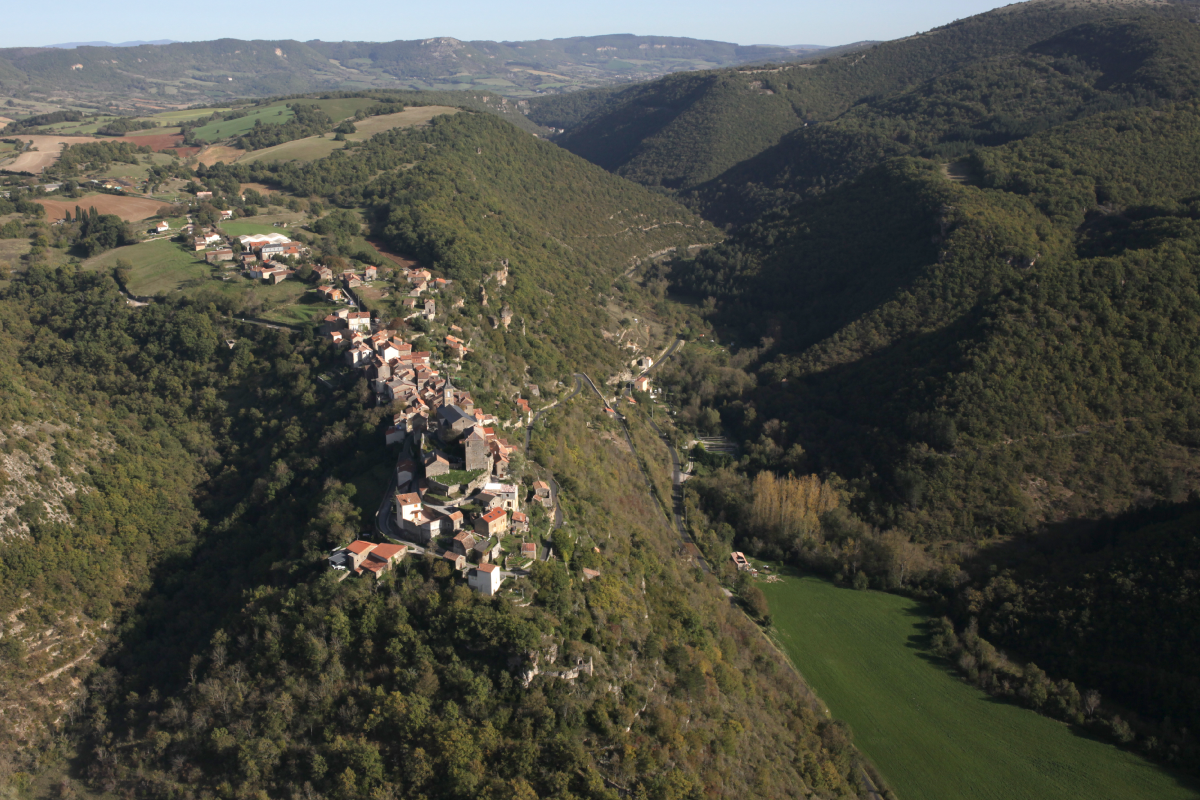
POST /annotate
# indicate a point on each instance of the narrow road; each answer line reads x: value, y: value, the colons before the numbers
x: 677, y: 491
x: 383, y: 517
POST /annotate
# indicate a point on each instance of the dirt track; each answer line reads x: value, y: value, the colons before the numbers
x: 130, y: 209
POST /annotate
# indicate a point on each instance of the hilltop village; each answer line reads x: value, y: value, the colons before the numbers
x: 454, y: 495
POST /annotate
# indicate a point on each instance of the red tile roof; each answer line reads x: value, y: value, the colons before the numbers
x: 493, y: 515
x: 410, y: 499
x: 489, y: 568
x: 359, y: 546
x: 387, y: 551
x: 374, y: 566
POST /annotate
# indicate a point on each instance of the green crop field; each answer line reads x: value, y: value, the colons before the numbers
x: 341, y: 108
x: 158, y: 267
x: 223, y: 129
x: 184, y: 115
x: 931, y: 735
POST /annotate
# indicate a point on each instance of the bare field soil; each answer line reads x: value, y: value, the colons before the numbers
x: 130, y: 209
x: 49, y: 148
x: 155, y: 141
x: 218, y: 154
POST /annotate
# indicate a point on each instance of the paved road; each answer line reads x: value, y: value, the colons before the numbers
x: 383, y: 517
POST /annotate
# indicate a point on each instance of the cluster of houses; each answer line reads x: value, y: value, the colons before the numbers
x: 452, y: 496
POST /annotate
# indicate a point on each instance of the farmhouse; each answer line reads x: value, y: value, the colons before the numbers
x: 162, y: 227
x: 641, y: 384
x: 216, y: 256
x: 367, y: 558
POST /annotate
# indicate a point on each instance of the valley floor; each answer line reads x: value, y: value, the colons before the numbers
x: 931, y: 735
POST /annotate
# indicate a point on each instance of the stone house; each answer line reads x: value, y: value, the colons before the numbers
x: 493, y: 523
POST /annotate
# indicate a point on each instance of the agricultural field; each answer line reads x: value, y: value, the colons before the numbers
x: 130, y: 209
x: 317, y: 147
x: 47, y: 151
x: 185, y: 115
x: 931, y: 735
x: 136, y: 172
x: 217, y: 153
x: 407, y: 118
x: 157, y: 267
x: 311, y: 149
x: 226, y: 128
x: 340, y: 108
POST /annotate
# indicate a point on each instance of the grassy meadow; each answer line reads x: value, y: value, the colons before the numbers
x: 157, y: 267
x: 273, y: 114
x: 240, y: 228
x: 933, y: 736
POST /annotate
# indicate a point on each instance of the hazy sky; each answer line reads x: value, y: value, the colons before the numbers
x: 761, y: 22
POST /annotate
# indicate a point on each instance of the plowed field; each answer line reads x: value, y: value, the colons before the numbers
x: 130, y: 209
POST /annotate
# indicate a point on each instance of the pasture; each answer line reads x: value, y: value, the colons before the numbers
x: 184, y: 115
x: 931, y: 735
x: 340, y: 108
x: 157, y: 267
x: 226, y: 128
x: 130, y: 209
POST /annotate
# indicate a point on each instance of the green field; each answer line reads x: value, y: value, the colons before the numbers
x: 240, y: 228
x: 931, y: 735
x: 158, y: 267
x: 343, y: 107
x: 299, y: 312
x: 184, y: 115
x: 223, y: 129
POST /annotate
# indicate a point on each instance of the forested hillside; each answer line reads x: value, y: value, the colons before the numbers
x: 743, y: 141
x: 471, y: 190
x: 222, y: 657
x: 963, y: 296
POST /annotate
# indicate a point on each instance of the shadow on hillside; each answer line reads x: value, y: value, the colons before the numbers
x: 1077, y: 539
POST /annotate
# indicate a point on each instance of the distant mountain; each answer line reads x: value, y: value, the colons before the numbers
x: 191, y: 72
x: 73, y: 45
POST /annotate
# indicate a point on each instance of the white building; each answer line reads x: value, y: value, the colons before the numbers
x: 507, y: 494
x: 485, y: 579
